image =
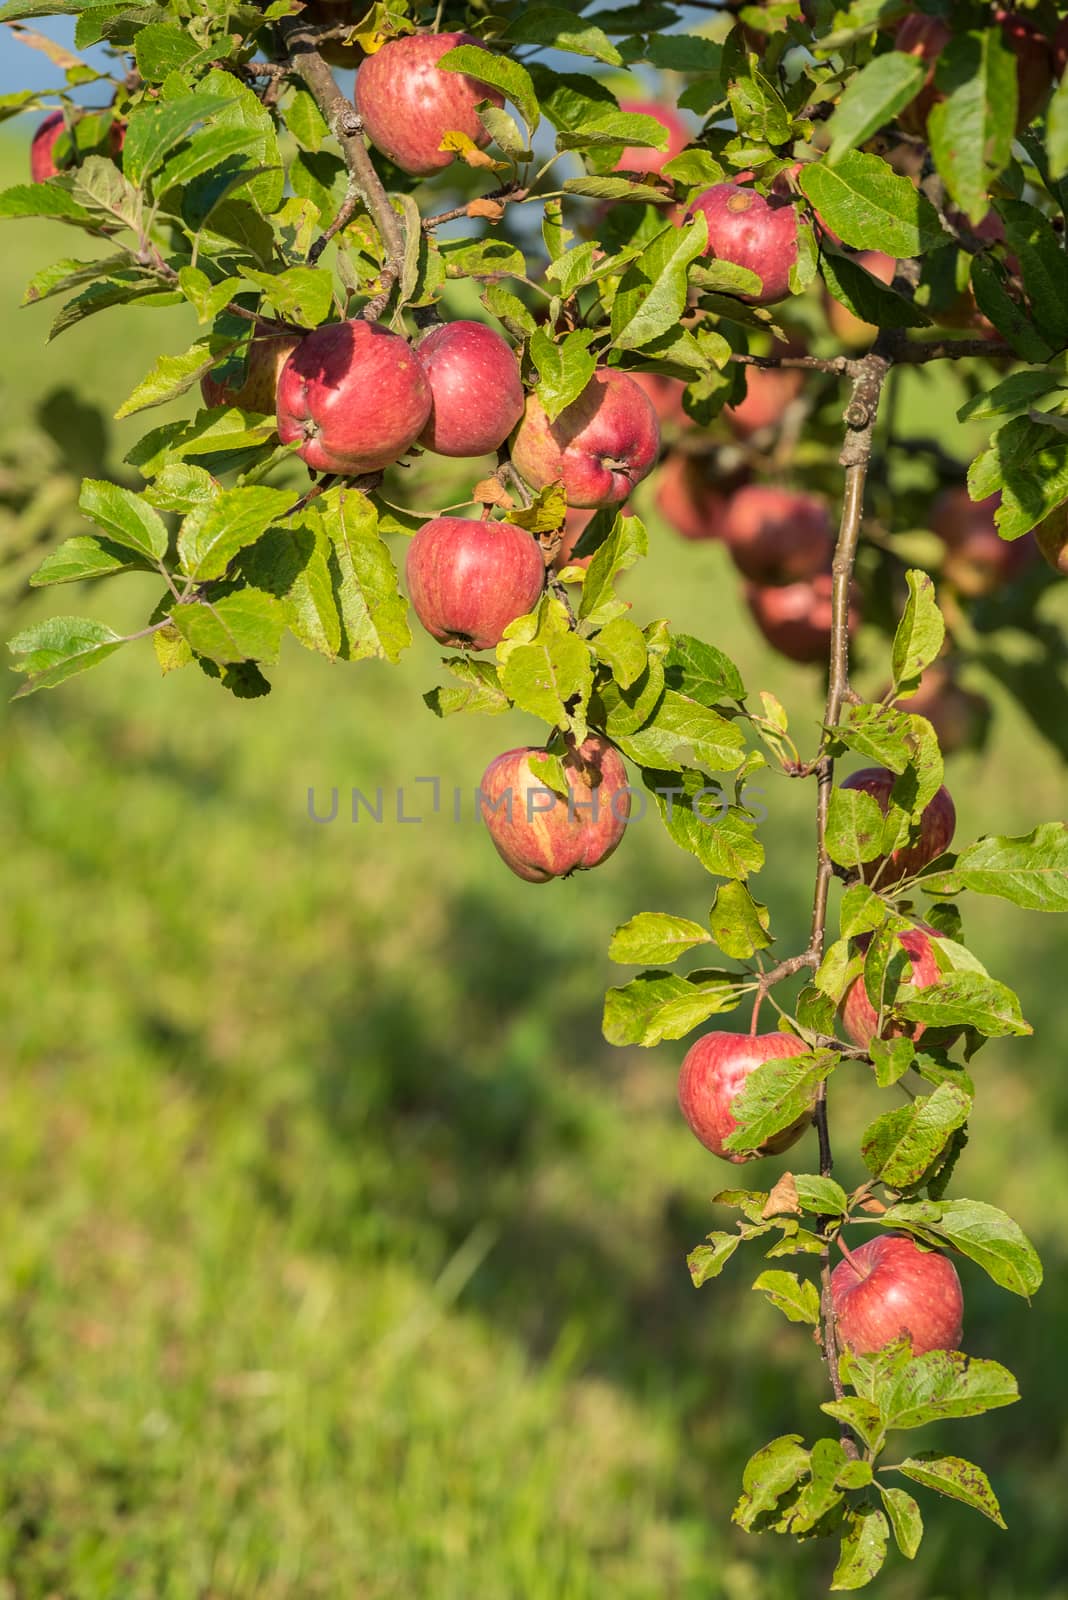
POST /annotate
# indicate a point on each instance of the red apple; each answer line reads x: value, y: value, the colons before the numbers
x: 355, y: 394
x: 42, y: 162
x: 753, y: 232
x: 475, y: 387
x: 638, y: 158
x: 889, y: 1287
x: 1051, y: 536
x: 933, y: 833
x: 796, y: 618
x: 408, y: 104
x: 853, y: 330
x: 51, y: 130
x: 666, y: 395
x: 688, y: 500
x: 538, y: 833
x: 977, y: 560
x: 469, y: 580
x: 267, y: 355
x: 860, y: 1018
x: 768, y: 392
x: 714, y: 1072
x: 778, y: 535
x: 600, y: 446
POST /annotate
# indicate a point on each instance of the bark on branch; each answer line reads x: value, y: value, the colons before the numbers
x: 301, y: 45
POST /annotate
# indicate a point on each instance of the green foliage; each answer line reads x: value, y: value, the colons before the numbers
x: 228, y: 198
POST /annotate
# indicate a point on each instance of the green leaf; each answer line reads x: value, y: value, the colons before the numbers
x: 479, y: 689
x: 854, y: 828
x: 214, y: 531
x: 173, y: 376
x: 708, y: 1260
x: 655, y: 936
x: 44, y: 200
x: 821, y: 1493
x: 473, y: 258
x: 1030, y: 871
x: 775, y: 1095
x: 374, y: 615
x: 863, y: 294
x: 162, y: 48
x: 622, y: 646
x: 564, y: 369
x: 701, y: 672
x: 663, y: 1005
x: 206, y: 298
x: 873, y: 98
x: 1028, y: 461
x: 863, y: 1416
x: 739, y: 923
x: 626, y: 543
x: 293, y: 563
x: 125, y: 518
x: 863, y: 1548
x: 510, y: 310
x: 965, y: 999
x: 303, y: 294
x: 901, y: 1145
x: 652, y: 292
x: 617, y: 128
x: 944, y: 1383
x: 238, y: 106
x: 870, y: 207
x: 156, y: 126
x: 512, y: 79
x: 862, y: 911
x: 920, y: 632
x: 891, y: 1059
x: 246, y: 625
x: 1057, y: 130
x: 100, y: 187
x: 684, y: 730
x: 982, y: 1233
x: 991, y: 285
x: 971, y: 131
x: 614, y: 189
x: 797, y: 1298
x: 904, y: 1517
x: 1029, y: 234
x: 953, y: 1477
x: 85, y: 556
x: 758, y: 109
x: 822, y: 1196
x: 770, y: 1474
x: 54, y: 650
x: 545, y: 666
x: 1015, y: 393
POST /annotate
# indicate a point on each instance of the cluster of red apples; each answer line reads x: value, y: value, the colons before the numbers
x: 889, y: 1286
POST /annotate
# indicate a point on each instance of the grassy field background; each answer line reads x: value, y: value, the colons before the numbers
x: 341, y: 1256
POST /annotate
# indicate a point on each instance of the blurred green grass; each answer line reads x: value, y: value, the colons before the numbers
x: 342, y: 1256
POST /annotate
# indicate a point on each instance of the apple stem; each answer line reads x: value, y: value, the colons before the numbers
x: 758, y: 1001
x: 850, y: 1257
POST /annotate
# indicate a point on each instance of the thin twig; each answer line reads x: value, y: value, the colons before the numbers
x: 503, y: 197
